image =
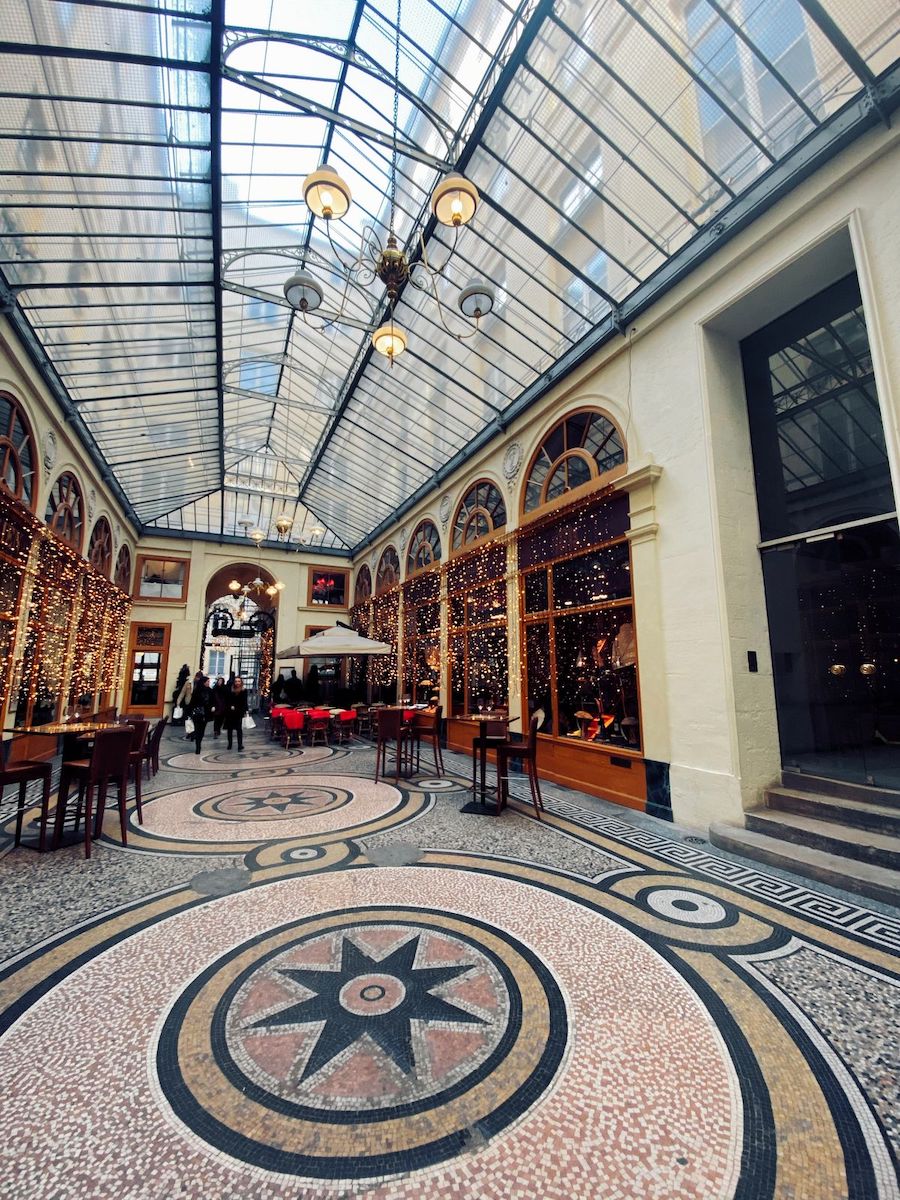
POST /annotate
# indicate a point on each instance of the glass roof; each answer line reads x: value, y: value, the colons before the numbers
x: 151, y: 210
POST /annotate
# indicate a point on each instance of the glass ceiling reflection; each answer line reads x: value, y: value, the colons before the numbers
x: 612, y: 137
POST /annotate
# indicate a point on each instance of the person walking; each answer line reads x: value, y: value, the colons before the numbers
x: 235, y: 711
x: 183, y: 697
x: 199, y: 707
x: 219, y: 704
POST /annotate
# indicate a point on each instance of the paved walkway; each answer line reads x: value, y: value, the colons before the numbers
x: 298, y: 983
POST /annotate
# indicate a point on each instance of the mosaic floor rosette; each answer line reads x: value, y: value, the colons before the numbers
x: 455, y: 1023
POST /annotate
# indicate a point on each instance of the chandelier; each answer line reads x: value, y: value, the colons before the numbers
x: 256, y: 586
x: 453, y: 204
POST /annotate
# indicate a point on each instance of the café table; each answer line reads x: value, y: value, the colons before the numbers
x: 482, y: 720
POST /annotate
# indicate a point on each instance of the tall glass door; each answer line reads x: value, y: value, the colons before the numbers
x: 830, y: 546
x: 834, y: 624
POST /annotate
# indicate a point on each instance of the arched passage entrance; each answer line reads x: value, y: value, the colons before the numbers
x: 239, y: 630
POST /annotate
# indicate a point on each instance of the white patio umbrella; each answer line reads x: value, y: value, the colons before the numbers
x: 335, y: 642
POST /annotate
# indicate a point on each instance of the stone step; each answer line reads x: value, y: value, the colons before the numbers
x: 800, y: 781
x: 862, y: 844
x: 861, y: 878
x: 881, y: 818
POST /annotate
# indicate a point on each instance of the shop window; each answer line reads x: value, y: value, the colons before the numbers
x: 481, y: 513
x: 123, y: 570
x: 99, y: 553
x: 579, y: 639
x: 65, y: 510
x: 577, y: 452
x: 328, y: 587
x: 388, y: 573
x: 18, y: 456
x: 424, y: 548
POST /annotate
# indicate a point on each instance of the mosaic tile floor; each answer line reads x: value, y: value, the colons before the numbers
x: 297, y: 983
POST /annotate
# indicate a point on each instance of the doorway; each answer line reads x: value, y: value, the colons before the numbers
x: 830, y: 544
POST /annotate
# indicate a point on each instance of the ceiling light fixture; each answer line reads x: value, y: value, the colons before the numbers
x: 454, y: 203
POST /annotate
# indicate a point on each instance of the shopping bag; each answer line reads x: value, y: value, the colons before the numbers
x: 189, y: 726
x: 248, y: 722
x: 177, y: 712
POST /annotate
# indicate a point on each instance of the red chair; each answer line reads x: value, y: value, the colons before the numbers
x: 345, y: 726
x: 318, y: 724
x: 426, y: 726
x: 110, y: 761
x: 20, y: 773
x: 526, y: 753
x: 292, y: 724
x: 392, y: 728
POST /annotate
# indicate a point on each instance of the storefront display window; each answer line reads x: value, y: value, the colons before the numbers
x: 421, y: 636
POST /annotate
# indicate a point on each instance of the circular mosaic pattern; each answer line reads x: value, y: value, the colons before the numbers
x: 279, y: 803
x: 440, y: 784
x: 231, y: 811
x: 692, y: 908
x: 380, y: 1022
x: 248, y: 760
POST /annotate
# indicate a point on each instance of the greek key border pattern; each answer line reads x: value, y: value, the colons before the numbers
x: 881, y: 930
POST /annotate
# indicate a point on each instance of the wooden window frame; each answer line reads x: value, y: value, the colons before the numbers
x: 313, y: 570
x: 105, y: 570
x: 65, y: 505
x: 164, y: 558
x: 9, y: 451
x: 411, y: 568
x: 381, y: 591
x: 597, y: 481
x: 495, y: 530
x: 134, y: 646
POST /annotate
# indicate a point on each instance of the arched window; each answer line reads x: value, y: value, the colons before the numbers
x: 99, y: 553
x: 18, y: 457
x: 65, y: 510
x: 388, y: 573
x: 424, y: 548
x: 576, y: 452
x: 481, y: 512
x: 363, y: 585
x: 123, y: 570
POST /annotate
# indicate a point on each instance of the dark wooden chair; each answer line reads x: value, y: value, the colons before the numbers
x: 364, y: 721
x: 19, y: 772
x: 426, y: 726
x: 110, y: 762
x: 391, y: 727
x: 151, y: 749
x: 139, y: 727
x: 526, y: 753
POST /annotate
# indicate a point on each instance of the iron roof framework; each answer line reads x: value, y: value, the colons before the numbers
x: 150, y: 210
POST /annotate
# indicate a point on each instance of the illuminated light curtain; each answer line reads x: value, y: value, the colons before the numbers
x: 579, y: 637
x: 64, y: 634
x: 479, y: 654
x: 421, y: 635
x: 385, y: 628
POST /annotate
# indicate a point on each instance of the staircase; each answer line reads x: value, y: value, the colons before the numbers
x: 842, y: 834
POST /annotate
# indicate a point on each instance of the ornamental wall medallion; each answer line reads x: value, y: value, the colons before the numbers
x: 92, y: 503
x: 512, y: 461
x: 445, y: 510
x: 404, y: 535
x: 50, y: 447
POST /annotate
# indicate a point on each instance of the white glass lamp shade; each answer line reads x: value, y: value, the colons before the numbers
x: 302, y: 292
x: 477, y: 299
x: 316, y: 533
x: 389, y: 340
x: 258, y: 535
x: 272, y: 590
x: 454, y: 200
x: 326, y: 194
x: 234, y: 585
x: 283, y: 523
x: 280, y: 586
